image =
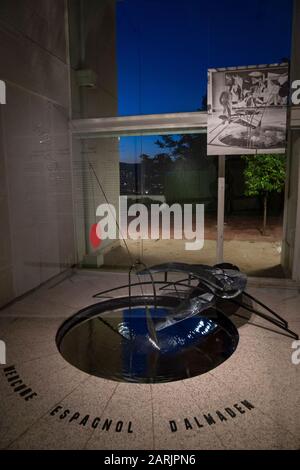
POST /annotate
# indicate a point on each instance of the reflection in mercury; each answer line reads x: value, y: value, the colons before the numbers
x: 117, y: 345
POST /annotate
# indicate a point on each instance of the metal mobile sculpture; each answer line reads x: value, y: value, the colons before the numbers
x: 179, y: 330
x: 204, y: 289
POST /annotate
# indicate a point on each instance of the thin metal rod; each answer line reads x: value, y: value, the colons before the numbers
x: 141, y: 283
x: 101, y: 294
x: 152, y: 282
x: 171, y: 283
x: 257, y: 312
x: 265, y: 317
x: 115, y: 218
x: 117, y: 224
x: 111, y: 328
x: 267, y: 308
x: 221, y: 208
x: 129, y: 286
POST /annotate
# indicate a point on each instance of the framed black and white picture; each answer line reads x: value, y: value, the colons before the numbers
x: 247, y: 110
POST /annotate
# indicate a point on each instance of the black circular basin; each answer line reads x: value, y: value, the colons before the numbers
x: 117, y: 340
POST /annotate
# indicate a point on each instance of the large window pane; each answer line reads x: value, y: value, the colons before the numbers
x: 159, y: 172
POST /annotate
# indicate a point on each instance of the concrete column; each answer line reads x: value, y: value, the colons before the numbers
x: 36, y: 216
x: 291, y: 225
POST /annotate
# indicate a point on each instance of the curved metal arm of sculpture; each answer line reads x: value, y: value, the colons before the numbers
x: 187, y: 309
x: 224, y: 283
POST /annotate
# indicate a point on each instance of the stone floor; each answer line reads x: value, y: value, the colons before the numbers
x: 251, y: 401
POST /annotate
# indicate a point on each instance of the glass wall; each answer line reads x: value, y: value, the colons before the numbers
x: 135, y: 57
x: 166, y: 179
x: 254, y: 220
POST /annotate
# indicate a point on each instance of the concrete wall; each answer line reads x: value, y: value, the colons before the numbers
x: 93, y: 48
x: 291, y: 241
x: 37, y: 230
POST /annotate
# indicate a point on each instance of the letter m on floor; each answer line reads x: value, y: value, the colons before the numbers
x: 2, y: 92
x: 2, y: 353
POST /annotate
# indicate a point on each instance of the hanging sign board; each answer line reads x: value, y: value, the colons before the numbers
x: 247, y: 110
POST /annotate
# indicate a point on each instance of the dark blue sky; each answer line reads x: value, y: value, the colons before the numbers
x: 165, y: 47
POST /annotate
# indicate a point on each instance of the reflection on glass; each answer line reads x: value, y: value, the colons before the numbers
x: 117, y: 345
x: 158, y: 172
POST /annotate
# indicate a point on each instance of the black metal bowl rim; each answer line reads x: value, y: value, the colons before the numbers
x: 94, y: 310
